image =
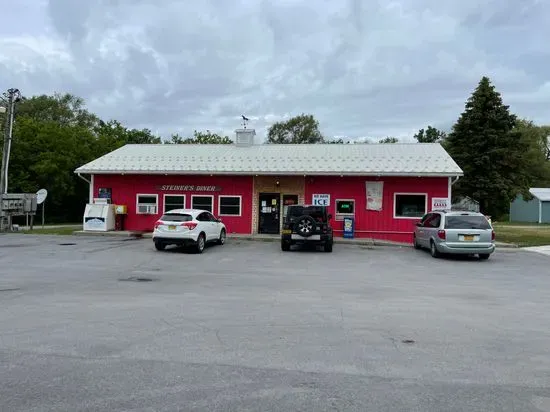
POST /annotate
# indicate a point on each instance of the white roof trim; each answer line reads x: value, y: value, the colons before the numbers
x: 543, y: 194
x: 200, y: 172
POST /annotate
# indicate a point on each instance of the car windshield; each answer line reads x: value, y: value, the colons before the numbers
x: 318, y: 213
x: 466, y: 222
x: 176, y: 217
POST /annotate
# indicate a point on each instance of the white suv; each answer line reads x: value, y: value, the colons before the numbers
x: 184, y: 227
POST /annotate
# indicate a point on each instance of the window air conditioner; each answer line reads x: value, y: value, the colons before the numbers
x: 147, y: 209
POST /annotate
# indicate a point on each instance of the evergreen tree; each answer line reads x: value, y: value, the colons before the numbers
x: 490, y: 150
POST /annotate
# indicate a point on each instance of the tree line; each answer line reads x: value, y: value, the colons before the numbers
x: 501, y: 154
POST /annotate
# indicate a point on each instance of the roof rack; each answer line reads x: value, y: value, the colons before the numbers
x: 455, y: 209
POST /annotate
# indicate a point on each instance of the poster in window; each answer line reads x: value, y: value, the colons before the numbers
x: 374, y: 195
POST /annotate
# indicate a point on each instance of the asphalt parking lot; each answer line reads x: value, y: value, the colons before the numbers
x: 246, y: 327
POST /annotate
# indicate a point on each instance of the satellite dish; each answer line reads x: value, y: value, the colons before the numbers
x: 41, y: 195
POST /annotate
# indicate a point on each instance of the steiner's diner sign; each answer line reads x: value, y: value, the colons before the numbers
x: 189, y: 188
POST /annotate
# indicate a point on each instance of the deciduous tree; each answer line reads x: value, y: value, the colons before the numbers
x: 430, y: 135
x: 300, y: 129
x: 389, y: 139
x: 201, y: 138
x: 538, y: 156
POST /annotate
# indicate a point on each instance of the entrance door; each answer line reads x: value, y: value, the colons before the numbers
x: 270, y: 212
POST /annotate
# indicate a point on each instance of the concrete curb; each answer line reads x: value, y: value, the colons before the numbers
x: 108, y: 234
x: 339, y: 241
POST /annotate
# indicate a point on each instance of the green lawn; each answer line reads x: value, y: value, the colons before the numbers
x: 523, y: 235
x: 521, y: 224
x: 65, y: 230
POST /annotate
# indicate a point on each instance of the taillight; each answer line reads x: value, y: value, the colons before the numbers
x: 493, y: 236
x: 189, y: 225
x: 441, y: 234
x: 158, y: 223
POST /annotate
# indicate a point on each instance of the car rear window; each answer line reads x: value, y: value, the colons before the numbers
x: 318, y: 213
x: 466, y: 222
x: 176, y: 217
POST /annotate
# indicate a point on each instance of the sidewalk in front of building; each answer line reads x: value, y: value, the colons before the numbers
x: 273, y: 238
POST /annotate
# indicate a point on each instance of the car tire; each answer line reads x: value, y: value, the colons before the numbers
x: 433, y: 250
x: 222, y: 238
x: 328, y: 247
x: 201, y: 243
x: 484, y: 256
x: 285, y: 246
x: 160, y: 246
x: 415, y: 243
x: 305, y: 225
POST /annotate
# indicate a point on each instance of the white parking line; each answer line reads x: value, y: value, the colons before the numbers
x: 545, y: 250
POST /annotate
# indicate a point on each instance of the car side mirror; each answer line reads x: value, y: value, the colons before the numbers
x: 219, y: 220
x: 418, y: 224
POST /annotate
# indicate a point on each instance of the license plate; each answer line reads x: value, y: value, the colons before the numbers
x: 171, y: 227
x: 287, y: 231
x: 468, y: 238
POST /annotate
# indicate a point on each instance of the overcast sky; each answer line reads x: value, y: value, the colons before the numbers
x: 362, y: 67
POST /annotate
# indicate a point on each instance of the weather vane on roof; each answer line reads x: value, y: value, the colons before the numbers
x: 245, y: 120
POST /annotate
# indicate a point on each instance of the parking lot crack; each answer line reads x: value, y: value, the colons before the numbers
x: 220, y: 339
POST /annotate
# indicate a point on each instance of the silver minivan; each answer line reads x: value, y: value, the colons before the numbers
x: 455, y: 232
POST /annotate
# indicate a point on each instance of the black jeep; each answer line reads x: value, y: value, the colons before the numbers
x: 307, y: 224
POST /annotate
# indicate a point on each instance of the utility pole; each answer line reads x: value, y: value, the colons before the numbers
x: 13, y: 96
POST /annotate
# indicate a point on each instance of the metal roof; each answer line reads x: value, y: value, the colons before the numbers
x: 397, y: 159
x: 543, y: 194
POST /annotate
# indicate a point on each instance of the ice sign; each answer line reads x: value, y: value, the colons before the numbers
x: 321, y: 200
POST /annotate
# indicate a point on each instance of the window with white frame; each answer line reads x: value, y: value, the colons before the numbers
x: 344, y: 207
x: 229, y: 205
x: 172, y: 202
x: 202, y: 202
x: 409, y: 205
x: 147, y: 204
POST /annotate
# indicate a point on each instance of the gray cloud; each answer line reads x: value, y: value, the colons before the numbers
x: 363, y: 68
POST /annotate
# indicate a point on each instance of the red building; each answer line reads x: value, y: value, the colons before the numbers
x: 386, y: 188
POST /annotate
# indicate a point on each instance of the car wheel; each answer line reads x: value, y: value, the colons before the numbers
x: 160, y: 246
x: 433, y: 250
x: 201, y: 243
x: 305, y: 225
x: 328, y: 247
x: 484, y: 256
x: 415, y: 243
x: 285, y: 246
x: 222, y: 238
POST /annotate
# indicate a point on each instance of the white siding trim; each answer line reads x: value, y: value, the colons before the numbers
x: 174, y: 195
x: 92, y: 189
x: 211, y: 199
x: 240, y: 205
x: 409, y: 194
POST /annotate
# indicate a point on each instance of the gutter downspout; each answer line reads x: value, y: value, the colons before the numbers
x: 540, y: 211
x: 89, y: 183
x: 452, y: 181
